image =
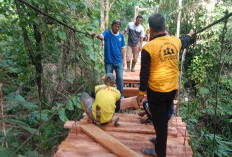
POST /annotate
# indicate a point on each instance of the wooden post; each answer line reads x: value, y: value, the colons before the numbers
x: 107, y: 5
x: 102, y: 15
x: 178, y: 20
x: 2, y: 110
x: 136, y: 12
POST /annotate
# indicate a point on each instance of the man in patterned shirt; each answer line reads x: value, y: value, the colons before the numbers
x: 135, y: 41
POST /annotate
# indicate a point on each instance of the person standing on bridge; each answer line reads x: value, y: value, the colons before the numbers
x: 114, y: 52
x: 159, y: 78
x: 135, y: 41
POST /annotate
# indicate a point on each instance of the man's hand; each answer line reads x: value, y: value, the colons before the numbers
x: 140, y: 48
x: 99, y: 36
x: 191, y: 33
x: 192, y: 36
x: 139, y: 99
x: 94, y: 35
x: 123, y: 32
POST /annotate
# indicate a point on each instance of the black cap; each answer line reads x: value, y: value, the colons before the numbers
x: 116, y: 21
x: 139, y: 17
x: 110, y: 77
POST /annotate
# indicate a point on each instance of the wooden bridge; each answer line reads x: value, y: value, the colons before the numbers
x: 128, y: 138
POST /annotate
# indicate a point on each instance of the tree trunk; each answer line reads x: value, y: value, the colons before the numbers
x: 107, y: 14
x: 102, y: 15
x: 178, y: 20
x: 136, y: 12
x: 181, y: 70
x: 178, y: 34
x: 36, y: 58
x: 38, y: 66
x: 108, y: 7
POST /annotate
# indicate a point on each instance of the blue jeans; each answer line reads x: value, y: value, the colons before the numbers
x: 109, y: 67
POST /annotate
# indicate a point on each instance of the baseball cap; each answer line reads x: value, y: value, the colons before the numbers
x: 110, y: 77
x: 116, y: 21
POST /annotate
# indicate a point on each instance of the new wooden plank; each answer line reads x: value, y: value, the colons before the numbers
x: 130, y: 102
x: 135, y: 137
x: 128, y: 81
x: 169, y: 155
x: 130, y: 92
x: 171, y: 147
x: 126, y: 128
x: 73, y: 153
x: 81, y: 146
x: 110, y: 143
x: 136, y: 116
x: 174, y: 146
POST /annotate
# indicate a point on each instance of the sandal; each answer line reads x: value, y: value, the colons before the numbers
x: 149, y: 151
x: 145, y: 121
x: 153, y: 140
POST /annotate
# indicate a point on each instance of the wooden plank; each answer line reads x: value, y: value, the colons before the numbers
x: 110, y: 143
x: 127, y: 128
x: 128, y: 103
x: 131, y: 81
x: 136, y: 142
x: 130, y: 92
x: 134, y: 118
x: 86, y: 153
x: 168, y: 155
x: 171, y: 147
x: 135, y: 137
x: 81, y: 146
x: 131, y: 102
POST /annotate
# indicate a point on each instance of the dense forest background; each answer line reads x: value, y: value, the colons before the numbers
x: 45, y: 66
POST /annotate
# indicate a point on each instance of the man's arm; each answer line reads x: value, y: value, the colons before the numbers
x: 144, y: 75
x: 123, y: 51
x: 141, y: 39
x: 140, y: 44
x: 144, y: 72
x: 186, y: 41
x: 99, y: 36
x: 124, y: 31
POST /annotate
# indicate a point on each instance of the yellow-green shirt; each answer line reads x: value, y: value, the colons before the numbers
x: 106, y: 98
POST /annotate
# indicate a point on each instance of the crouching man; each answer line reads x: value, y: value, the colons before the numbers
x: 106, y: 97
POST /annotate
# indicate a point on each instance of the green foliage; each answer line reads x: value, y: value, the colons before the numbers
x: 61, y: 64
x: 202, y: 74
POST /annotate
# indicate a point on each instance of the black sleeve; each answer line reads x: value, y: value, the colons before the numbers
x: 145, y: 70
x: 185, y: 41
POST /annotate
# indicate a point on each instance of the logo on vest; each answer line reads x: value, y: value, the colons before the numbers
x: 120, y: 39
x: 168, y: 51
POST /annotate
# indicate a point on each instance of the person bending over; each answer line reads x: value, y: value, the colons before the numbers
x: 106, y: 97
